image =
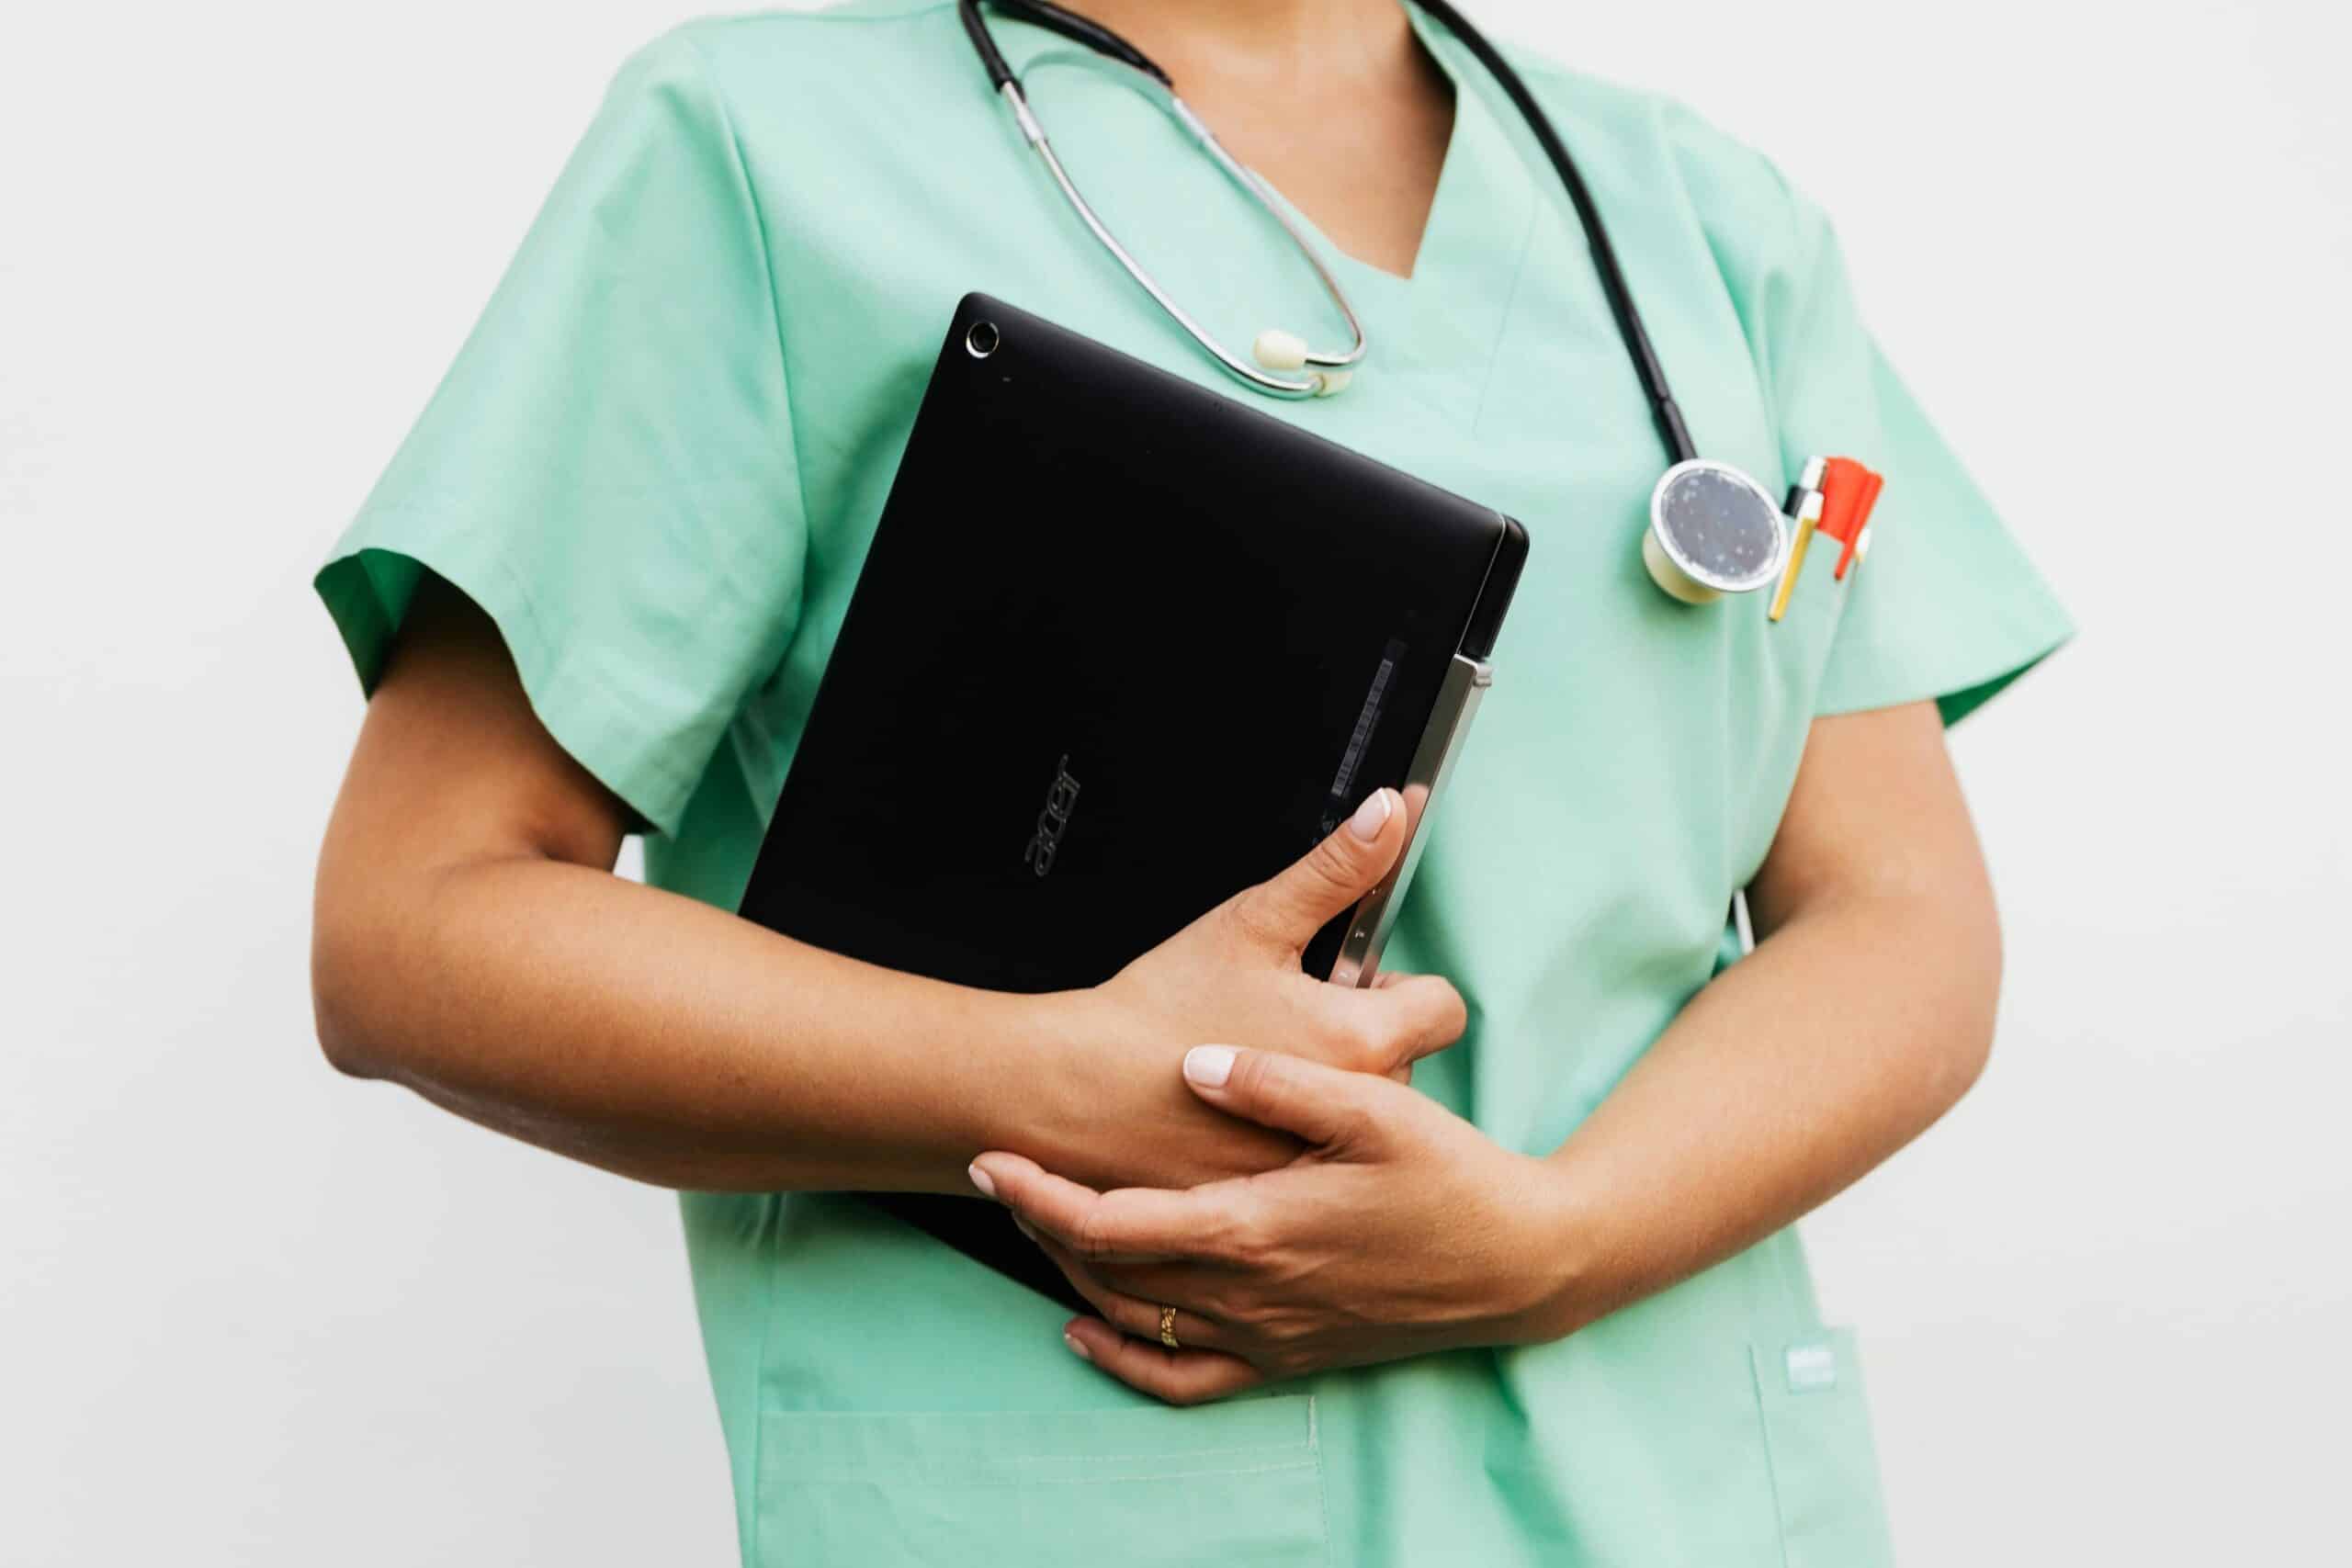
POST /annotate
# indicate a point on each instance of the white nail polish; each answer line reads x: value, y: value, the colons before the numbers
x: 980, y: 1179
x: 1209, y: 1066
x: 1077, y: 1347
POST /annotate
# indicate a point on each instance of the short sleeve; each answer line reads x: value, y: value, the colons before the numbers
x: 608, y: 469
x: 1946, y: 605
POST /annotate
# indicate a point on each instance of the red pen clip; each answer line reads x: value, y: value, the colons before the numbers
x: 1835, y: 498
x: 1849, y: 490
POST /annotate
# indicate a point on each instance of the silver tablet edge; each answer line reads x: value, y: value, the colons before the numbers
x: 1465, y: 682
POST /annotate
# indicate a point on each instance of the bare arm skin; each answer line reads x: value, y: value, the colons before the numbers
x: 471, y: 942
x: 1864, y: 1013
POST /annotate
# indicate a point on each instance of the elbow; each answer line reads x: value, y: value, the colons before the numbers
x: 338, y: 1008
x: 1962, y: 1065
x: 342, y: 1045
x: 1976, y: 971
x: 362, y: 976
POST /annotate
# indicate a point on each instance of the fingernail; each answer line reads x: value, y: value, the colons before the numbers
x: 1077, y: 1347
x: 1022, y: 1227
x: 1209, y: 1066
x: 980, y: 1179
x: 1371, y: 817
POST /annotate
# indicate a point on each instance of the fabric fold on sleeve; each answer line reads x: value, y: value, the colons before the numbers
x: 608, y: 469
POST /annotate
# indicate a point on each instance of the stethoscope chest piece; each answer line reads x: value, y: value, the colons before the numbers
x: 1713, y: 531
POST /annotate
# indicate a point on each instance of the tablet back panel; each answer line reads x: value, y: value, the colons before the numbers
x: 1121, y: 646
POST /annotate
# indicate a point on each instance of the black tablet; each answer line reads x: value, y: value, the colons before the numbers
x: 1121, y: 646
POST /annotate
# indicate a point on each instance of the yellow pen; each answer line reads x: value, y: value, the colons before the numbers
x: 1805, y: 502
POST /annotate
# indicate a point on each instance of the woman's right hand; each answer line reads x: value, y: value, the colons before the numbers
x: 1233, y: 978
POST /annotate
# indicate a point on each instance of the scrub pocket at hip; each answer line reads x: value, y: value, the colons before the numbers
x: 1818, y: 1439
x: 1239, y: 1485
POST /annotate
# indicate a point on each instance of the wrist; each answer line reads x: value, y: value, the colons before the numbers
x: 1050, y: 1097
x: 1099, y: 1097
x: 1560, y: 1237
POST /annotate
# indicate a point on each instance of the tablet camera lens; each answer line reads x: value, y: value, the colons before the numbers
x: 981, y: 340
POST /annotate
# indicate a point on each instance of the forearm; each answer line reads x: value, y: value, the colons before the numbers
x: 1863, y: 1015
x: 1844, y: 1035
x: 671, y: 1041
x: 471, y: 942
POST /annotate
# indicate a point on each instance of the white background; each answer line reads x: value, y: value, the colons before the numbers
x: 252, y: 1313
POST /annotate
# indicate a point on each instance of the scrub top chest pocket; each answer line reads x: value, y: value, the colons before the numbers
x: 1239, y: 1485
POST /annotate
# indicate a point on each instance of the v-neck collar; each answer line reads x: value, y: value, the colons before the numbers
x: 1438, y: 327
x: 1480, y: 165
x: 1432, y: 336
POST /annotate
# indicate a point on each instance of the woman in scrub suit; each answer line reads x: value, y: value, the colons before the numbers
x: 1541, y: 1305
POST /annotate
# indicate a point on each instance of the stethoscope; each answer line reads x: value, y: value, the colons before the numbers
x: 1713, y: 529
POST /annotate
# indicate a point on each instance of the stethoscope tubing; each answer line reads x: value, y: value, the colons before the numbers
x: 1326, y: 371
x: 1102, y: 41
x: 1638, y: 347
x: 1273, y: 385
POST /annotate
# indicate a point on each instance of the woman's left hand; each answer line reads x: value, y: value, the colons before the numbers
x: 1402, y: 1229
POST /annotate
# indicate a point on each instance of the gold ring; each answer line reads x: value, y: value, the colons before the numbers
x: 1168, y: 1328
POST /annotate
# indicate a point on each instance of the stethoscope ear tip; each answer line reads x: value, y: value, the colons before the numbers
x: 1278, y: 350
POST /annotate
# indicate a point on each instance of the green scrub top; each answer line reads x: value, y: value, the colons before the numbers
x: 657, y: 463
